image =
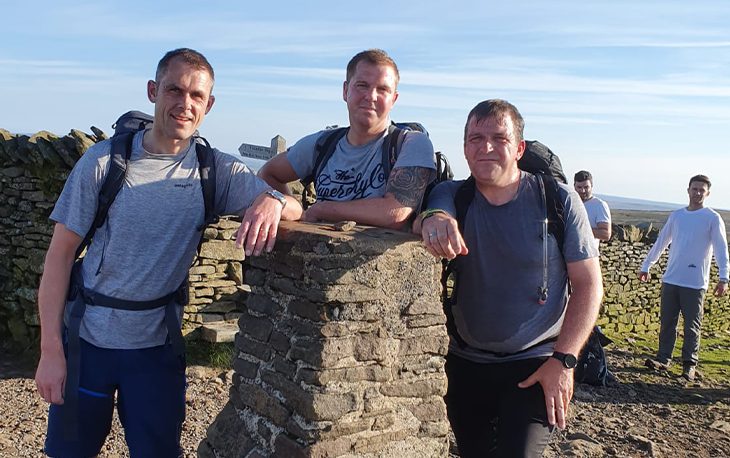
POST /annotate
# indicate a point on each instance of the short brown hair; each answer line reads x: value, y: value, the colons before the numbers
x: 701, y: 179
x: 582, y: 176
x: 373, y: 57
x: 187, y: 55
x: 497, y: 109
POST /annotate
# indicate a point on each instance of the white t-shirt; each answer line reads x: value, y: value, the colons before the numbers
x: 693, y: 235
x: 598, y: 212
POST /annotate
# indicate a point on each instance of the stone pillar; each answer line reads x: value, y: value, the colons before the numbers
x: 340, y: 351
x: 278, y: 145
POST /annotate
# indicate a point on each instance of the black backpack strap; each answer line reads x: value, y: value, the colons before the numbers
x: 121, y: 151
x: 392, y: 144
x: 324, y: 149
x: 555, y: 209
x: 553, y: 223
x: 463, y: 198
x: 206, y: 163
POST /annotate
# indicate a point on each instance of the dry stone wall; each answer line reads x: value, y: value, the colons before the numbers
x: 340, y: 351
x: 33, y: 170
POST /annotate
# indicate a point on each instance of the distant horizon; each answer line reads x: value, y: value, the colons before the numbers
x: 632, y: 203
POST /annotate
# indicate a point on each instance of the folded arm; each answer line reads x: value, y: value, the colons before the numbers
x: 403, y: 194
x: 277, y: 172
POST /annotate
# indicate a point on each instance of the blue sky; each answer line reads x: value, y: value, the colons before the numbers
x: 637, y: 92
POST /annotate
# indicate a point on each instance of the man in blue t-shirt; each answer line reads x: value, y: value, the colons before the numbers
x: 352, y: 186
x: 512, y: 351
x: 120, y: 329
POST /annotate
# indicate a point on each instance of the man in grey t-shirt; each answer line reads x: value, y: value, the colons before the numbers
x: 512, y: 352
x: 140, y: 254
x: 353, y: 186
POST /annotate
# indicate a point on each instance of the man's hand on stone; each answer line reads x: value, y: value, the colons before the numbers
x: 259, y: 225
x: 441, y: 236
x: 644, y: 276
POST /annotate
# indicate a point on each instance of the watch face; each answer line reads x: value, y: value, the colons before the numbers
x: 570, y: 361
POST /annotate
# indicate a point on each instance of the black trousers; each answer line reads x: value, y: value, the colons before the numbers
x: 490, y: 415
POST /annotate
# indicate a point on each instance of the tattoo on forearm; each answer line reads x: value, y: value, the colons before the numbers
x: 407, y: 185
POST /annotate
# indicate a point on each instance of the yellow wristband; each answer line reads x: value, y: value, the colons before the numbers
x: 430, y: 213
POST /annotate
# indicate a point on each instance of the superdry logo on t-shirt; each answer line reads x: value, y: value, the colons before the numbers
x: 346, y: 185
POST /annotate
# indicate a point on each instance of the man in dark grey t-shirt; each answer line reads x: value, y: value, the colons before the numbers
x: 138, y: 256
x: 511, y: 368
x: 353, y: 186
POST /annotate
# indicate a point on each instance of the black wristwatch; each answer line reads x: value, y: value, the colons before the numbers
x: 568, y: 360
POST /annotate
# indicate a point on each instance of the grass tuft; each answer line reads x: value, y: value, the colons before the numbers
x: 215, y: 355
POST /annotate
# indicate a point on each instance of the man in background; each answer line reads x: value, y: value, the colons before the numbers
x: 598, y: 213
x: 694, y: 232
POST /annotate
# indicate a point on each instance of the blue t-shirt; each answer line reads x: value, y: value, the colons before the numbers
x: 356, y: 172
x: 497, y: 305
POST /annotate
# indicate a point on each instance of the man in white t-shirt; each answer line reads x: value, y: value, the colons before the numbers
x: 695, y: 232
x: 598, y: 213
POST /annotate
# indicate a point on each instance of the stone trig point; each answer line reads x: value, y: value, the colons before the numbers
x: 278, y: 145
x: 340, y: 351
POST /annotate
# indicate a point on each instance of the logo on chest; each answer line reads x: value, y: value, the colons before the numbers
x: 349, y: 185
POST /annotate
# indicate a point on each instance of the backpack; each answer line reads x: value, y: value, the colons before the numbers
x: 539, y: 160
x: 327, y: 143
x: 126, y: 126
x: 592, y: 366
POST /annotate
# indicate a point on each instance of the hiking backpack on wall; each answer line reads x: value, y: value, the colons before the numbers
x: 327, y: 143
x: 539, y: 160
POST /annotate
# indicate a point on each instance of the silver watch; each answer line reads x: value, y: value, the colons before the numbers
x: 278, y: 196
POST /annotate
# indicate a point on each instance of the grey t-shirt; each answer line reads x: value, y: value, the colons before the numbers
x: 356, y: 172
x: 144, y: 249
x: 498, y: 308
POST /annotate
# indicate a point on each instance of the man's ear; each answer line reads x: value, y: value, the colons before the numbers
x: 152, y: 91
x: 211, y: 101
x: 344, y: 91
x: 521, y: 149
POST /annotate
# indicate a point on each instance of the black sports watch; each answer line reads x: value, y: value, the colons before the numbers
x: 278, y: 196
x: 568, y: 360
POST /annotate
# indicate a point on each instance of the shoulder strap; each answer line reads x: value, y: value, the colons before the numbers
x: 391, y: 148
x: 555, y: 208
x: 206, y: 164
x: 463, y: 198
x: 121, y: 151
x: 324, y: 149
